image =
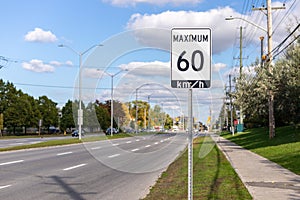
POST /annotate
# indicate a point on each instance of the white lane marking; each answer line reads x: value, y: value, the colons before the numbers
x: 114, y: 155
x: 128, y: 142
x: 4, y: 186
x: 94, y: 148
x: 134, y: 150
x: 115, y: 144
x: 161, y: 141
x: 156, y: 143
x: 64, y: 153
x: 148, y: 146
x: 11, y: 162
x: 74, y: 167
x: 137, y: 140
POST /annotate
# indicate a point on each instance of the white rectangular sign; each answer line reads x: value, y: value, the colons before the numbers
x: 191, y: 57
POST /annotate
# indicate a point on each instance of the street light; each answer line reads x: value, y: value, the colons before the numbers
x: 257, y: 26
x: 80, y: 54
x: 112, y: 98
x: 136, y: 106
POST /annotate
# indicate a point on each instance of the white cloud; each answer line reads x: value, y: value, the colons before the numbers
x: 58, y: 64
x: 154, y: 2
x: 153, y: 69
x: 222, y: 31
x: 218, y: 66
x: 37, y: 66
x: 39, y: 35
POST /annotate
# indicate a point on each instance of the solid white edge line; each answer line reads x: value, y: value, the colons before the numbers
x: 64, y: 153
x: 114, y: 155
x: 4, y: 186
x: 11, y: 162
x: 73, y: 167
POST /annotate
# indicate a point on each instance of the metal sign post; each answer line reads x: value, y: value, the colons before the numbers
x: 190, y: 68
x: 190, y: 145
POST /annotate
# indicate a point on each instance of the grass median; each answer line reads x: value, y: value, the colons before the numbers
x: 64, y: 142
x: 213, y: 176
x: 283, y: 149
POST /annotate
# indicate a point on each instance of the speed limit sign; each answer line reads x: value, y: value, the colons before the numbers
x: 191, y: 58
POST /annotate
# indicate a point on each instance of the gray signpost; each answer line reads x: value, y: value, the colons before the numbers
x: 190, y: 68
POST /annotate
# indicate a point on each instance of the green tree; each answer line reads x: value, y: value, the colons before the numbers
x: 67, y: 120
x: 49, y: 112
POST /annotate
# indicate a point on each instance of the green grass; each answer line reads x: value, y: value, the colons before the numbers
x: 64, y: 142
x: 213, y: 178
x: 284, y: 149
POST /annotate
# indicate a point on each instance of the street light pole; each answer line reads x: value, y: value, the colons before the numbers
x: 112, y: 100
x: 80, y: 112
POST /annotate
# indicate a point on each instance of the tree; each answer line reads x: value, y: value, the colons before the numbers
x: 103, y: 115
x: 67, y: 120
x: 49, y: 112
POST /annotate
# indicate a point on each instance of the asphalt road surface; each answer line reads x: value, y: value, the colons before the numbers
x: 117, y: 169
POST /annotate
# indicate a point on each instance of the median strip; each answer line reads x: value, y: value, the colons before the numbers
x: 74, y: 167
x: 11, y: 162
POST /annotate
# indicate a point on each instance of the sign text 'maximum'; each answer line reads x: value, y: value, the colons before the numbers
x: 190, y: 38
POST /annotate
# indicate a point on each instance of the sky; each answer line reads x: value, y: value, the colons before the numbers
x: 128, y: 41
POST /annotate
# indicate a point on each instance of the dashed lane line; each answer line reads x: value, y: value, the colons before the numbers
x: 94, y: 148
x: 74, y: 167
x: 64, y: 153
x: 11, y: 162
x: 135, y: 150
x: 114, y: 155
x: 4, y: 186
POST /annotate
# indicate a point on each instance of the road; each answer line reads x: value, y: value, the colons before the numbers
x: 111, y: 169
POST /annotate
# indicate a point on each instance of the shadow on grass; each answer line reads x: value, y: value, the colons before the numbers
x: 257, y: 138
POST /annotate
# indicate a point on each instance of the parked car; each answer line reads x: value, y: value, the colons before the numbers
x: 76, y: 133
x: 114, y: 131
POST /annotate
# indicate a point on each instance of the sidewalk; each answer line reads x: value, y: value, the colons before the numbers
x: 264, y: 179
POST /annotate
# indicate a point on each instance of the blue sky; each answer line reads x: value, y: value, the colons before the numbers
x: 31, y: 31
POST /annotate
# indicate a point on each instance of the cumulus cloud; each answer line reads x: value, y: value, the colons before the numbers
x: 39, y: 35
x: 37, y: 66
x: 222, y: 31
x: 154, y: 2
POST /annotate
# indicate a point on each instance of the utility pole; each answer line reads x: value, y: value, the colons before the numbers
x: 241, y: 68
x: 241, y: 121
x: 231, y: 107
x: 269, y: 64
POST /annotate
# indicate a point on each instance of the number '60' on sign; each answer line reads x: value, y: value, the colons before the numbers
x: 183, y: 64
